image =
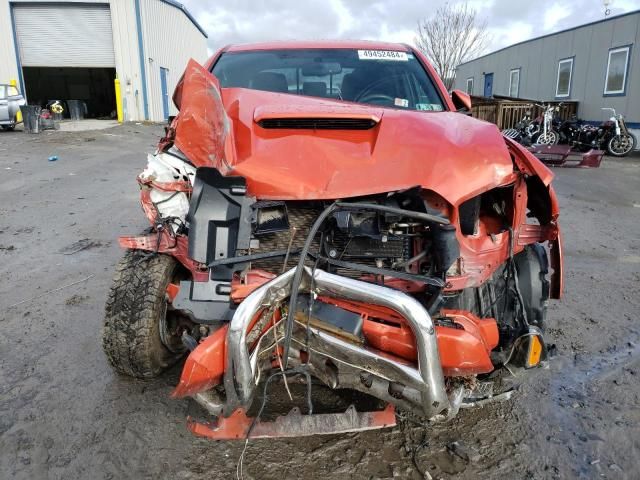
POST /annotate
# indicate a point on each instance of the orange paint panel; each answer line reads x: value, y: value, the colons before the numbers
x: 463, y: 351
x: 172, y: 291
x: 202, y: 127
x: 241, y: 289
x: 205, y: 365
x: 218, y: 128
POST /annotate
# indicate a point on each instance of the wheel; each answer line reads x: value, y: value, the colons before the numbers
x: 532, y: 265
x: 140, y: 335
x: 621, y: 145
x: 9, y: 128
x: 549, y: 138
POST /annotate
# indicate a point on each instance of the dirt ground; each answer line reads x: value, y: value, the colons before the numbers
x: 65, y: 415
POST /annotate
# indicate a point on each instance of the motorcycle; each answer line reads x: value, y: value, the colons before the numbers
x: 543, y: 130
x: 523, y: 131
x: 550, y: 122
x: 611, y: 135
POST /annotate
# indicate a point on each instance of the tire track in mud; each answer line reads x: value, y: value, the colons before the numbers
x: 580, y: 410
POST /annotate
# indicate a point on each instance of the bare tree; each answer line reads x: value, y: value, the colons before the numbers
x: 450, y: 37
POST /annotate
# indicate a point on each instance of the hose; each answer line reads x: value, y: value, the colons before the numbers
x: 297, y: 277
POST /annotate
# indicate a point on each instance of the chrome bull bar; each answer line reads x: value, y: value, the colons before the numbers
x: 241, y: 376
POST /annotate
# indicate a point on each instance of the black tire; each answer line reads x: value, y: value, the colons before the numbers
x: 134, y: 314
x: 620, y: 153
x: 532, y: 266
x: 8, y: 128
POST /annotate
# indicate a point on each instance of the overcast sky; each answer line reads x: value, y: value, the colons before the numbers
x: 509, y: 21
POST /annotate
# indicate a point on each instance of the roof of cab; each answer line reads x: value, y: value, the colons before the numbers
x: 310, y: 44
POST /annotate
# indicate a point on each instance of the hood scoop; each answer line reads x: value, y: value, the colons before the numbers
x: 323, y: 116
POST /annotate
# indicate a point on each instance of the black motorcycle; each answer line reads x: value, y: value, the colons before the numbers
x: 542, y: 130
x: 611, y: 135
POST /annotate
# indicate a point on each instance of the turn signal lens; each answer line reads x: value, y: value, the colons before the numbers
x: 535, y: 351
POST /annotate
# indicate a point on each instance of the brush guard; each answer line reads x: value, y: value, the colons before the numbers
x: 337, y: 362
x: 242, y: 373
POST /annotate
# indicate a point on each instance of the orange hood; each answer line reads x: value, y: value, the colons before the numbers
x: 449, y: 153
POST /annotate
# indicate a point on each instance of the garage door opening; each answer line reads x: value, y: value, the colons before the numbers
x: 94, y: 86
x: 73, y: 59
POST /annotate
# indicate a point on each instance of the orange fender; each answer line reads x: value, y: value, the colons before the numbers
x: 205, y: 366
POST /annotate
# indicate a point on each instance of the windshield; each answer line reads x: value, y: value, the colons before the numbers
x: 373, y: 77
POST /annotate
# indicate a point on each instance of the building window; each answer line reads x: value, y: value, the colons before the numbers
x: 514, y: 82
x: 563, y: 82
x: 470, y: 86
x: 617, y: 67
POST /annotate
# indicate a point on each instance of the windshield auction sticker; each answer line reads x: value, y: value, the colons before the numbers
x: 383, y: 55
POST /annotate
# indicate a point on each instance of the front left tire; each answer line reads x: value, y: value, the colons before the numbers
x: 136, y: 313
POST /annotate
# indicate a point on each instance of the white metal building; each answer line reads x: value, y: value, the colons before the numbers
x: 596, y: 64
x: 74, y: 49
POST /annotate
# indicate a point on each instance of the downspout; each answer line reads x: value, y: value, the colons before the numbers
x: 143, y: 73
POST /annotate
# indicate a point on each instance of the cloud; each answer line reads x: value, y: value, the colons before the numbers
x: 555, y: 15
x: 508, y: 21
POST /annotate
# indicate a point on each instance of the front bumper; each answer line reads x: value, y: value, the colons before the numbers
x: 337, y: 362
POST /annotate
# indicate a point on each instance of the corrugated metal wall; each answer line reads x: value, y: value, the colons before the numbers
x: 8, y: 66
x: 125, y: 43
x: 170, y: 40
x: 538, y: 61
x: 80, y: 37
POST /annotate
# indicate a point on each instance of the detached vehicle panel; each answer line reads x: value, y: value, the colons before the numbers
x: 321, y: 210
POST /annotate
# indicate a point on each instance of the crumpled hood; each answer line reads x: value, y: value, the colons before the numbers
x: 450, y: 153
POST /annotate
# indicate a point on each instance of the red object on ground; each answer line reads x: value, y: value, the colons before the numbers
x: 238, y: 425
x: 564, y: 156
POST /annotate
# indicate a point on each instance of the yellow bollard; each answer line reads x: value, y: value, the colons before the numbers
x: 118, y: 100
x: 14, y: 83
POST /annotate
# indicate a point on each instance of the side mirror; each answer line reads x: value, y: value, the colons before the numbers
x: 461, y: 100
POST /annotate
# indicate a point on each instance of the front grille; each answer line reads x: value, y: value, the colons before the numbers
x: 302, y: 219
x: 366, y: 247
x: 319, y: 123
x: 362, y: 250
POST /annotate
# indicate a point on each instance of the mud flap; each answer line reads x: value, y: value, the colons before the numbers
x: 294, y: 424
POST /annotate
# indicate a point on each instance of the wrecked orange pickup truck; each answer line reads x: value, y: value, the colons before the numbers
x: 327, y: 210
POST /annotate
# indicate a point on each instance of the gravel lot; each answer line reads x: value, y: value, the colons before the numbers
x: 64, y: 414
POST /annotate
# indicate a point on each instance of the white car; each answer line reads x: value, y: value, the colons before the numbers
x: 10, y: 101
